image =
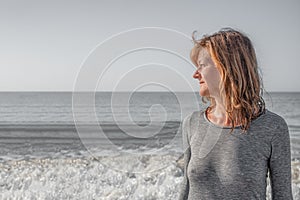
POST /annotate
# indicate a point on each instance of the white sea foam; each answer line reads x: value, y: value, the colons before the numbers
x: 105, y: 177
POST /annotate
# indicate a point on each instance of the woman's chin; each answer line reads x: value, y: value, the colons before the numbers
x: 204, y: 93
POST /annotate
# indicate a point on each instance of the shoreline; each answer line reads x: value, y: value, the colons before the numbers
x: 107, y: 177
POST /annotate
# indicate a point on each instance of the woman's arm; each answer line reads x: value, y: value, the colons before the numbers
x: 186, y: 157
x: 280, y: 164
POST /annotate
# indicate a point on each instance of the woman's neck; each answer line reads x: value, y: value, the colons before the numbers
x: 218, y: 115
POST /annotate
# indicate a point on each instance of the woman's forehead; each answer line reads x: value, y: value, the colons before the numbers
x: 203, y: 55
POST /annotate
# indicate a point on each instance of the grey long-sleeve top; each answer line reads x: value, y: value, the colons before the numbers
x: 228, y: 166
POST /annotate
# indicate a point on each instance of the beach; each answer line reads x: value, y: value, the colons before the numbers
x: 43, y: 156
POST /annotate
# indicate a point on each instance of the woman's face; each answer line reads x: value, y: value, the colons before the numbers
x: 207, y: 74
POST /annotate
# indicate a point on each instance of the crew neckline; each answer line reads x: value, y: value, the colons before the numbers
x: 227, y: 127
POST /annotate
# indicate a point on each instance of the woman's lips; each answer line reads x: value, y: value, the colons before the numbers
x: 201, y: 82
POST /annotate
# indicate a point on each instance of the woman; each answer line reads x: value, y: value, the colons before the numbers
x: 233, y: 143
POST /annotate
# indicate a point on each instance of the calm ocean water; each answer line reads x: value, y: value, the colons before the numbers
x: 40, y: 118
x: 42, y: 156
x: 42, y: 123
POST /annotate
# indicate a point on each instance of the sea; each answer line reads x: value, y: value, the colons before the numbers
x: 104, y: 145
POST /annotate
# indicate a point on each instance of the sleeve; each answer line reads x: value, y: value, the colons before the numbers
x: 280, y: 164
x: 186, y: 157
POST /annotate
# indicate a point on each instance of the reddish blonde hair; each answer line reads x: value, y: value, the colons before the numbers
x: 241, y: 85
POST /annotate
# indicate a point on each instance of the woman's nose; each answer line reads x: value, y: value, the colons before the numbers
x: 196, y: 75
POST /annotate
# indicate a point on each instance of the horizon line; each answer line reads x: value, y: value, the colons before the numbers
x: 70, y: 91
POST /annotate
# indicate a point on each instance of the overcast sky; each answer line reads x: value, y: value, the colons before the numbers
x: 43, y: 44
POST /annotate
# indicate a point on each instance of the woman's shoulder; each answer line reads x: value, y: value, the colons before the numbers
x: 196, y: 115
x: 271, y: 118
x: 193, y: 120
x: 270, y: 124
